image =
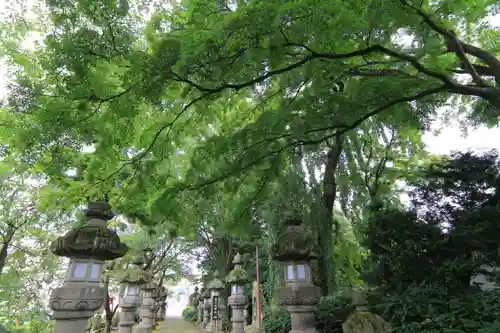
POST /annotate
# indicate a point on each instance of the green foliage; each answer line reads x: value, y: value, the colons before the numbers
x: 227, y: 326
x: 331, y: 312
x: 276, y: 320
x: 432, y: 307
x: 190, y: 314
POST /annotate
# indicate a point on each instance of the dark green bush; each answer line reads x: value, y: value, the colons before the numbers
x: 226, y: 325
x: 429, y: 308
x: 190, y: 314
x: 331, y: 312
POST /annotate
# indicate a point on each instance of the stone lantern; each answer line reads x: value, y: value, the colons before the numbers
x: 362, y: 320
x: 155, y: 295
x: 131, y: 299
x: 199, y: 306
x: 218, y: 309
x: 298, y: 295
x: 88, y: 247
x: 145, y: 311
x: 206, y: 308
x: 162, y: 305
x: 238, y: 300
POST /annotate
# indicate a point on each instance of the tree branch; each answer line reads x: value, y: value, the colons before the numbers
x: 453, y: 44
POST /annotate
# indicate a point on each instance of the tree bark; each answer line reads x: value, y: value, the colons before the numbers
x: 328, y: 227
x: 7, y: 238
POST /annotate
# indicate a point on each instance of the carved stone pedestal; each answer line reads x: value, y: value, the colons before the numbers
x: 206, y: 309
x: 128, y: 306
x: 145, y: 311
x: 238, y: 304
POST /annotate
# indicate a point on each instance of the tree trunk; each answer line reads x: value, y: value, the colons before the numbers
x: 326, y: 226
x: 7, y: 238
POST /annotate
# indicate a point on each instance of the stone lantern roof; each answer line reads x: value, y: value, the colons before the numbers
x: 136, y: 275
x: 293, y: 243
x: 206, y: 294
x: 238, y: 275
x: 216, y: 284
x: 93, y: 239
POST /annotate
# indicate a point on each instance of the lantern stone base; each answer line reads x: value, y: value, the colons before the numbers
x: 238, y: 319
x: 302, y: 318
x: 72, y: 325
x: 127, y: 319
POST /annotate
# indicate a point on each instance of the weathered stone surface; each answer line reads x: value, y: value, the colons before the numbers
x: 216, y: 284
x: 206, y: 308
x: 133, y: 277
x: 298, y: 295
x: 146, y: 309
x: 67, y: 301
x: 193, y: 298
x: 88, y: 247
x: 362, y: 320
x: 93, y: 239
x: 294, y: 243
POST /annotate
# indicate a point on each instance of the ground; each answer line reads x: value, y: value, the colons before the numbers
x: 177, y: 325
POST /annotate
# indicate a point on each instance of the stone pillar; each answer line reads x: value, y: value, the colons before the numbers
x: 156, y: 305
x: 255, y: 290
x: 246, y: 316
x: 131, y: 296
x: 199, y: 307
x: 206, y: 308
x: 215, y: 287
x: 238, y: 301
x: 362, y: 320
x: 88, y: 247
x: 145, y: 311
x: 163, y: 300
x: 299, y: 296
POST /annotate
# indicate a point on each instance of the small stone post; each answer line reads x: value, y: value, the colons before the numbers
x: 145, y: 311
x: 87, y: 247
x: 362, y: 320
x: 238, y: 301
x: 298, y: 295
x: 206, y: 308
x: 131, y: 298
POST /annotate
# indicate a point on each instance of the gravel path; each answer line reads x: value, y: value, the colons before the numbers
x: 177, y: 325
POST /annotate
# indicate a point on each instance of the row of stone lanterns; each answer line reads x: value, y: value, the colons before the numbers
x: 293, y: 250
x: 88, y: 247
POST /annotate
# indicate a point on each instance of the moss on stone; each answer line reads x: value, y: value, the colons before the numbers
x: 364, y: 322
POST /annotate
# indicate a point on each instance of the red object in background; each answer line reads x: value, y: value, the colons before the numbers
x: 110, y: 300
